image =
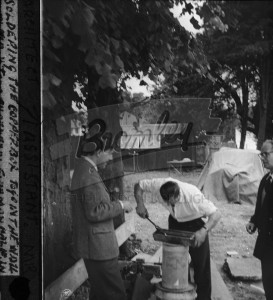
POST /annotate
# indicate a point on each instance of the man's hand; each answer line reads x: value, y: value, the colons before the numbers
x: 142, y: 211
x: 250, y: 228
x: 200, y: 237
x: 127, y: 206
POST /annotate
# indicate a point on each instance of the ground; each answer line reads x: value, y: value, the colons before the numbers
x: 228, y: 235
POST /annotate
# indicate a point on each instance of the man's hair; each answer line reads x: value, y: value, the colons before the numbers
x: 90, y: 145
x: 268, y: 142
x: 169, y: 189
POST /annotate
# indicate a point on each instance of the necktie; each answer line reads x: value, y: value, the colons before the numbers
x: 268, y: 182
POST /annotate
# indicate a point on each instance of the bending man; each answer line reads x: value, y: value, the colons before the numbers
x: 187, y: 206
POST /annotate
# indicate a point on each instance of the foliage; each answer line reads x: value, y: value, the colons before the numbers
x: 107, y: 41
x: 237, y: 41
x: 237, y: 55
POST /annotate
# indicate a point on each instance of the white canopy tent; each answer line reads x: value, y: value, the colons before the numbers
x: 232, y: 175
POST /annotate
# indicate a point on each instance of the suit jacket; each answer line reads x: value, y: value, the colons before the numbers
x: 263, y: 218
x: 92, y: 215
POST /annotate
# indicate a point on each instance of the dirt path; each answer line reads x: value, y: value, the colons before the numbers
x: 229, y: 235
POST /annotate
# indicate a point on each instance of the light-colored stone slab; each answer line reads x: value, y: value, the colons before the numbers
x: 233, y: 253
x: 248, y: 268
x: 258, y: 287
x: 146, y: 257
x: 219, y: 288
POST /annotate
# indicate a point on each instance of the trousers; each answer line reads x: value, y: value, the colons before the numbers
x: 200, y: 257
x: 267, y: 270
x: 105, y: 280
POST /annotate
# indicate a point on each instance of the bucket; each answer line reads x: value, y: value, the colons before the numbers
x: 175, y: 265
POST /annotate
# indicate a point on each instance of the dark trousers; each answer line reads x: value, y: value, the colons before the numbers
x: 267, y: 271
x: 200, y: 257
x: 105, y: 280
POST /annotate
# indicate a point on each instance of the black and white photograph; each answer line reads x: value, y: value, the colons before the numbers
x: 136, y: 150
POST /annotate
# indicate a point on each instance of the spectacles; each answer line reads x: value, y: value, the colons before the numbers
x: 265, y: 154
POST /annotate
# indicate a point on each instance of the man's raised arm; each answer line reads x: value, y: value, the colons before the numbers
x: 140, y: 209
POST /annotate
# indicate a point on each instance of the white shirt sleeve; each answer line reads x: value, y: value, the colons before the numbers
x: 153, y: 186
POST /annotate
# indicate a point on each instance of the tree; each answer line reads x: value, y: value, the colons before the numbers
x: 241, y: 57
x: 237, y: 41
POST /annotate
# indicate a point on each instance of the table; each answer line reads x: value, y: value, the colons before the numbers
x: 178, y: 165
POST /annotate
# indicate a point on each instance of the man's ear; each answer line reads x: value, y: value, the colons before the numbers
x: 98, y: 153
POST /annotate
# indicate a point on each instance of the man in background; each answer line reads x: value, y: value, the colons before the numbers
x: 263, y: 220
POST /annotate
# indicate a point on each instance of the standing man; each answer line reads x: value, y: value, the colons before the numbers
x: 187, y: 206
x: 263, y: 220
x: 94, y: 237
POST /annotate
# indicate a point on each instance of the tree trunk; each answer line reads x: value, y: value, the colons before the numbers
x: 266, y: 82
x: 56, y: 199
x: 244, y: 115
x: 269, y: 124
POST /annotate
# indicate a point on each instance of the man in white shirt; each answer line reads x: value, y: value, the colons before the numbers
x: 187, y: 206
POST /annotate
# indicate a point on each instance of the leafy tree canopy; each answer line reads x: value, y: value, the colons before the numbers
x: 239, y: 56
x: 107, y: 41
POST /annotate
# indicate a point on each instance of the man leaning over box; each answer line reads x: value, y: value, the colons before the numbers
x: 187, y: 207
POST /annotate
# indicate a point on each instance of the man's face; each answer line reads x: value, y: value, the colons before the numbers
x: 267, y: 156
x: 173, y: 200
x: 103, y: 158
